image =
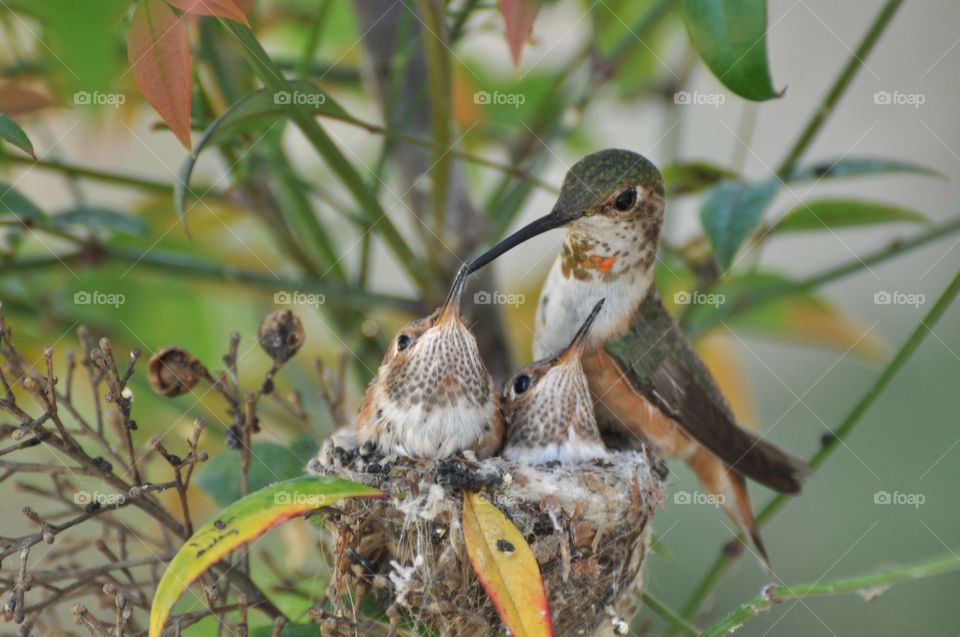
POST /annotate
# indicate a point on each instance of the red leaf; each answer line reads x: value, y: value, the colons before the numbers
x: 218, y: 8
x: 160, y: 61
x: 18, y: 100
x: 518, y: 16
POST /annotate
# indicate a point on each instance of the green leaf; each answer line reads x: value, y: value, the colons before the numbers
x: 731, y: 212
x: 254, y: 113
x: 11, y: 131
x: 684, y: 178
x: 843, y: 213
x: 807, y: 317
x: 219, y: 477
x: 731, y: 38
x: 102, y: 219
x: 15, y: 204
x: 82, y: 37
x: 857, y: 166
x: 240, y: 523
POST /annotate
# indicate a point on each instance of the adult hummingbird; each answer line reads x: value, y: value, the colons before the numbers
x: 432, y: 397
x: 647, y: 382
x: 548, y: 410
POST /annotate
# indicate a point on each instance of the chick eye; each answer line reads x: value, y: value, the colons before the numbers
x: 522, y: 384
x: 625, y: 200
x: 403, y: 342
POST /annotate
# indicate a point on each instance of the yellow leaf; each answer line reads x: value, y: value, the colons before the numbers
x: 506, y: 567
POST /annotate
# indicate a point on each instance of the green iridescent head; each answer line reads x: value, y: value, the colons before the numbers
x: 620, y: 184
x: 599, y: 178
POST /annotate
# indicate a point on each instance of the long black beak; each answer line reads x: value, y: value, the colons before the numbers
x: 575, y: 348
x: 556, y: 219
x: 453, y: 303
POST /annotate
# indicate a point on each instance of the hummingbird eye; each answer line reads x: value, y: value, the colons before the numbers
x: 403, y: 342
x: 625, y: 200
x: 521, y: 384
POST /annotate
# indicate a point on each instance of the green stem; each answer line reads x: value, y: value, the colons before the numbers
x: 920, y: 332
x: 839, y: 87
x: 862, y: 584
x: 678, y: 622
x: 313, y: 39
x: 460, y: 20
x: 438, y: 80
x: 775, y: 292
x: 273, y: 79
x: 183, y: 265
x: 75, y: 170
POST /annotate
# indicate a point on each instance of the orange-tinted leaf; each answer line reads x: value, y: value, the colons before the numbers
x: 518, y: 17
x: 218, y: 8
x: 18, y: 100
x: 506, y: 567
x: 160, y: 61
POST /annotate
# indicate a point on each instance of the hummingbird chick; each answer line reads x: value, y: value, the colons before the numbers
x: 548, y: 410
x: 432, y: 397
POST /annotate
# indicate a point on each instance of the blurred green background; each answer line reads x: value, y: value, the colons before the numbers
x: 797, y: 372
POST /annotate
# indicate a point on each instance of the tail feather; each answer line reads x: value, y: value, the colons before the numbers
x: 744, y: 511
x: 731, y: 487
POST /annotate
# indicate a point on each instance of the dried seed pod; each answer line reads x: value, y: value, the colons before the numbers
x: 281, y: 335
x: 174, y: 371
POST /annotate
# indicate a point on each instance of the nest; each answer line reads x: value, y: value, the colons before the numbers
x: 588, y: 526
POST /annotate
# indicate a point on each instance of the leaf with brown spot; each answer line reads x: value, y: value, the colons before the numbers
x: 159, y: 55
x: 506, y: 567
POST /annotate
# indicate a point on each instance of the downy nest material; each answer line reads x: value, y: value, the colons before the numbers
x: 588, y: 526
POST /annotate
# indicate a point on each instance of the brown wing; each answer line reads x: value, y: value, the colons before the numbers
x: 659, y: 362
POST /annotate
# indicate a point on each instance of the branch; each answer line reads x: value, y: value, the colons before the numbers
x: 750, y: 300
x: 839, y: 87
x: 919, y: 333
x: 867, y: 585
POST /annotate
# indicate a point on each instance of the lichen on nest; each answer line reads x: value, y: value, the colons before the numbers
x: 588, y: 526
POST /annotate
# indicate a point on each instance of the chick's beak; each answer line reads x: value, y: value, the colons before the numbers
x: 557, y: 218
x: 453, y: 304
x: 573, y: 351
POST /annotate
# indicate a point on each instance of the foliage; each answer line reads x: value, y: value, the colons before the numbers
x: 308, y: 175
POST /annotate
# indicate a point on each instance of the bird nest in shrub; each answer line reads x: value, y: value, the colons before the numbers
x: 588, y: 526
